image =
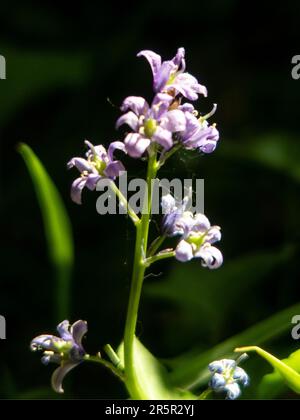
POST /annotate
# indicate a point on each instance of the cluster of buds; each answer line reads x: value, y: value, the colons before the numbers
x: 228, y: 377
x: 197, y: 235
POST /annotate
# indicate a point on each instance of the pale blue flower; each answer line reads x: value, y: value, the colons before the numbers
x: 65, y: 350
x: 227, y: 377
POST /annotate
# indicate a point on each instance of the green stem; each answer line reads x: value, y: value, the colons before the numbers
x: 137, y: 282
x: 106, y: 363
x: 168, y: 154
x: 205, y: 394
x: 125, y: 203
x: 158, y: 257
x: 155, y: 245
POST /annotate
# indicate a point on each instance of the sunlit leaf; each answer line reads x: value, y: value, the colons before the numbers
x: 57, y: 228
x: 273, y: 384
x: 287, y: 373
x: 151, y: 377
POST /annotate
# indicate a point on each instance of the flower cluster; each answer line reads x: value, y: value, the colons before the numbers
x: 197, y: 235
x: 65, y: 350
x: 228, y: 377
x: 166, y: 122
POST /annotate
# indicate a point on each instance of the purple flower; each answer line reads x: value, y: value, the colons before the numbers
x: 65, y: 350
x: 198, y: 134
x: 99, y: 163
x: 227, y: 377
x: 170, y: 76
x: 150, y: 124
x: 196, y: 232
x: 176, y: 219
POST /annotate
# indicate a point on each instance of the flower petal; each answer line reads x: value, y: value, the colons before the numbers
x: 76, y: 189
x: 233, y: 391
x: 211, y: 256
x: 131, y: 119
x: 168, y: 204
x: 179, y: 60
x: 137, y: 104
x: 153, y: 59
x: 188, y: 86
x: 45, y: 342
x: 78, y: 330
x: 115, y: 145
x: 184, y: 251
x: 63, y: 330
x: 91, y: 181
x: 163, y: 75
x: 175, y: 121
x: 81, y: 164
x: 163, y: 137
x: 136, y: 144
x: 59, y: 375
x: 114, y: 168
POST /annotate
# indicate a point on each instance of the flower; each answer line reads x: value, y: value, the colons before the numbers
x: 65, y: 350
x: 150, y: 124
x: 170, y: 76
x: 198, y: 134
x: 196, y: 232
x: 99, y: 163
x: 227, y: 377
x: 176, y: 216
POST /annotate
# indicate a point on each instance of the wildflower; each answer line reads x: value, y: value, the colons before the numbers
x: 99, y: 163
x: 228, y: 377
x: 65, y: 350
x: 198, y: 134
x: 170, y: 76
x: 176, y: 217
x: 150, y: 124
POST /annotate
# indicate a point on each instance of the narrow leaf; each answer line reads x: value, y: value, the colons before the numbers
x: 57, y: 228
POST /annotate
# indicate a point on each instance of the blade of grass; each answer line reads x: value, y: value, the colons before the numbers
x: 57, y: 229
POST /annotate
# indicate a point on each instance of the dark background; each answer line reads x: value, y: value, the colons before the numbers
x: 63, y: 62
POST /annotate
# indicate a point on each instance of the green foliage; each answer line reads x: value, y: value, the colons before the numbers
x: 57, y: 228
x: 190, y: 370
x: 152, y: 377
x: 284, y: 371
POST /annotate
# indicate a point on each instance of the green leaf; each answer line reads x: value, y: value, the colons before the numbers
x: 57, y: 228
x: 190, y: 370
x: 273, y: 384
x: 287, y: 373
x: 152, y: 381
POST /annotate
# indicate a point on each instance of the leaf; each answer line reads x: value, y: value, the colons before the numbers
x: 273, y: 384
x: 57, y: 228
x: 288, y: 374
x: 151, y: 377
x: 190, y: 370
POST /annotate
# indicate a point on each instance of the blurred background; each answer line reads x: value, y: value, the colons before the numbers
x: 63, y: 64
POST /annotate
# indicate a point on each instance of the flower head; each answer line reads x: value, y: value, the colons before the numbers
x: 99, y: 163
x: 196, y: 231
x: 227, y: 377
x: 170, y: 76
x: 198, y: 134
x: 65, y: 350
x: 155, y: 123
